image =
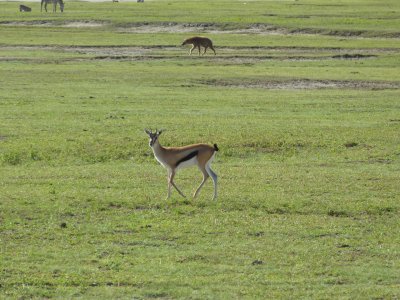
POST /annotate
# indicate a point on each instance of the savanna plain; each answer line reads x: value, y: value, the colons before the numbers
x: 302, y: 99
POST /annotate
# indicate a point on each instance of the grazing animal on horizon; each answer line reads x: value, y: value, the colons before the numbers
x: 55, y: 2
x: 23, y: 8
x: 198, y: 41
x: 175, y: 158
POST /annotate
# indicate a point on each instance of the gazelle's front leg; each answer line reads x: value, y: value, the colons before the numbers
x: 169, y: 185
x: 171, y: 182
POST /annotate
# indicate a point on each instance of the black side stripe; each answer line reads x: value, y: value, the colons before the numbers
x: 187, y: 157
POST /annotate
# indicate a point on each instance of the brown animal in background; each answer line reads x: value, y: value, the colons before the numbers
x: 198, y: 41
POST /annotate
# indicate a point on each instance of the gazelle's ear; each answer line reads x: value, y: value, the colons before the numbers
x: 147, y: 131
x: 160, y: 131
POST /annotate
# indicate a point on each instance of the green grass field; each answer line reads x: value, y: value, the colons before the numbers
x: 302, y: 99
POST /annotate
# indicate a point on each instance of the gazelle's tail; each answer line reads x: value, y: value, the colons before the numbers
x: 216, y: 147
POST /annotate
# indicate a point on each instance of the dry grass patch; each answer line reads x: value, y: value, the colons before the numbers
x: 294, y: 84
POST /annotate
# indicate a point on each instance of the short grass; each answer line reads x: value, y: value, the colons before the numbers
x: 309, y: 178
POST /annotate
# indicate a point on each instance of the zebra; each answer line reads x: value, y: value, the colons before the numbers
x: 55, y: 2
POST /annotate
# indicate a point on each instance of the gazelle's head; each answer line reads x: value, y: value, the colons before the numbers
x: 153, y: 136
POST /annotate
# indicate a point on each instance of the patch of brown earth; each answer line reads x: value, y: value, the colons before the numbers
x: 213, y: 28
x: 83, y: 24
x: 225, y: 55
x: 42, y: 23
x: 255, y: 28
x: 300, y: 84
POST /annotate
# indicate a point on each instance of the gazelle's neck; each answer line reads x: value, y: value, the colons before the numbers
x: 159, y: 154
x: 157, y: 148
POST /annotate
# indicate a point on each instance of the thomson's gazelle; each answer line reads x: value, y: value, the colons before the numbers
x: 175, y: 158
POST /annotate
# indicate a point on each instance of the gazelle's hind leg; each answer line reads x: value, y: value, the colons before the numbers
x: 205, y: 177
x: 213, y: 176
x: 215, y: 180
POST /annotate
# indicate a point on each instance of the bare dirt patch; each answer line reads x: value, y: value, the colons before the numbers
x: 110, y: 51
x: 225, y: 55
x: 212, y: 28
x: 294, y: 53
x: 83, y: 24
x: 301, y: 84
x: 92, y: 50
x: 255, y: 28
x: 345, y: 33
x: 42, y: 23
x: 25, y: 23
x: 238, y: 59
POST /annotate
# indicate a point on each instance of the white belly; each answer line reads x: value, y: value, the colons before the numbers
x: 187, y: 163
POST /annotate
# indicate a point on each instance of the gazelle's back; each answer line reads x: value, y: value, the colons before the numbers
x: 200, y: 147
